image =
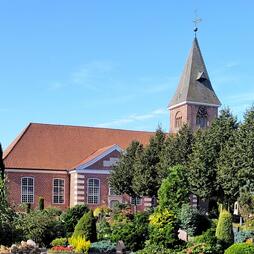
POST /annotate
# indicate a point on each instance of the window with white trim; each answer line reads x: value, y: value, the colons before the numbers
x: 58, y: 191
x: 136, y: 201
x: 93, y: 191
x: 27, y: 190
x: 111, y: 192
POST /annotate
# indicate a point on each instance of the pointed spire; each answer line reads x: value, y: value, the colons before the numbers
x: 195, y: 86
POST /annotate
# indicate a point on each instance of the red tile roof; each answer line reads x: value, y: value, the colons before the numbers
x: 46, y: 146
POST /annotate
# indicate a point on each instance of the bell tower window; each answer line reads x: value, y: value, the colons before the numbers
x: 201, y: 119
x: 178, y: 120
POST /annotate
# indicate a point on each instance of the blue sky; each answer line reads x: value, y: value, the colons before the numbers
x: 116, y: 63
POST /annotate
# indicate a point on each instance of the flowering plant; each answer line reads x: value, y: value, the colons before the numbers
x: 61, y: 249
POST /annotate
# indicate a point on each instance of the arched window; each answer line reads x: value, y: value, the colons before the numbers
x: 178, y: 120
x: 93, y: 191
x: 201, y: 119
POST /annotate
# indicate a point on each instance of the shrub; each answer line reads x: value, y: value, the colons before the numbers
x: 155, y: 249
x: 207, y: 237
x: 224, y: 230
x: 201, y: 248
x: 133, y: 232
x: 61, y: 249
x: 40, y: 226
x: 86, y: 227
x: 80, y: 244
x: 41, y: 203
x: 162, y: 228
x: 60, y: 242
x: 101, y: 212
x: 243, y: 235
x: 103, y: 229
x: 105, y: 247
x: 71, y: 217
x: 240, y: 248
x: 192, y: 220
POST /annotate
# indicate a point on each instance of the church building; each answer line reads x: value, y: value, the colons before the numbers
x: 69, y: 165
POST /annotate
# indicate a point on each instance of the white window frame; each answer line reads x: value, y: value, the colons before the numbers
x: 137, y: 198
x: 111, y: 192
x: 87, y: 191
x: 21, y: 192
x: 62, y: 179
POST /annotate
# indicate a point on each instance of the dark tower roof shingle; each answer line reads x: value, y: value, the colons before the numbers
x: 195, y: 85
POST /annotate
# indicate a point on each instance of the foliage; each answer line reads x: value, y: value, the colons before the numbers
x: 80, y: 244
x: 41, y: 203
x: 243, y: 235
x: 52, y: 211
x: 105, y: 247
x: 133, y: 232
x: 203, y: 161
x: 101, y: 211
x: 7, y: 216
x: 192, y: 220
x: 202, y: 248
x: 122, y: 174
x: 246, y: 202
x: 71, y: 217
x: 176, y: 150
x: 224, y: 230
x: 207, y: 237
x: 146, y: 181
x: 2, y: 166
x: 59, y: 242
x: 155, y: 249
x: 41, y: 226
x: 60, y: 249
x: 162, y: 229
x: 103, y: 229
x: 86, y: 227
x: 240, y: 248
x: 173, y: 192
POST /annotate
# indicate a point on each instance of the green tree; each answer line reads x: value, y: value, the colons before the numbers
x: 224, y: 230
x: 86, y: 227
x: 146, y: 181
x: 2, y: 167
x: 174, y: 192
x: 71, y: 217
x: 246, y: 202
x: 176, y: 150
x: 122, y: 174
x: 205, y: 154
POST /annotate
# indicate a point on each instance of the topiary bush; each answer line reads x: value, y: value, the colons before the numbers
x: 86, y: 227
x: 240, y: 248
x: 224, y: 230
x: 71, y: 217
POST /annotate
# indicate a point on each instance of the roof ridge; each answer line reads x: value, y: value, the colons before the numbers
x: 91, y: 127
x: 11, y: 147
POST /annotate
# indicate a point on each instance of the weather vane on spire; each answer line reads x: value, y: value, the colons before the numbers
x: 196, y: 21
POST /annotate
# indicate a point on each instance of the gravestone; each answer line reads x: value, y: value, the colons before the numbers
x: 120, y: 247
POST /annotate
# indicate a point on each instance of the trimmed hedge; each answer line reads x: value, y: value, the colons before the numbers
x: 224, y: 230
x: 240, y: 248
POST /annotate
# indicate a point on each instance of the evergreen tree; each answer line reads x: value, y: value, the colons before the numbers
x: 174, y: 192
x: 206, y: 151
x: 176, y: 150
x: 146, y: 180
x: 2, y: 167
x: 122, y: 175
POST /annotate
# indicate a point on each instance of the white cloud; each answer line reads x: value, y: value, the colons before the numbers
x: 134, y: 118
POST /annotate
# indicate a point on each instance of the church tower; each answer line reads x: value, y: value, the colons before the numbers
x: 195, y: 101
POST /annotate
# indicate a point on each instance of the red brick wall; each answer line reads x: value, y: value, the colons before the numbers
x: 99, y: 164
x: 42, y: 188
x: 189, y: 113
